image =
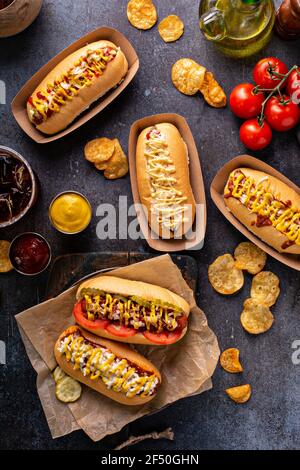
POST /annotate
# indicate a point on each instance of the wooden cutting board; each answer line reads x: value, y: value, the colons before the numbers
x: 67, y: 270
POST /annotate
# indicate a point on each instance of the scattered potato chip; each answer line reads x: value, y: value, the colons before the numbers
x: 117, y: 166
x: 58, y: 374
x: 101, y: 166
x: 265, y: 288
x: 68, y: 390
x: 230, y: 361
x: 213, y: 93
x: 142, y: 14
x: 5, y: 264
x: 240, y: 394
x: 224, y: 277
x: 188, y: 76
x: 99, y: 150
x: 171, y: 28
x: 256, y: 318
x: 249, y: 257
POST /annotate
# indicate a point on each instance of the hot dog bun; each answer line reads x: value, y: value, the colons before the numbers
x: 127, y: 288
x: 281, y: 192
x: 121, y: 351
x: 112, y: 75
x: 178, y: 154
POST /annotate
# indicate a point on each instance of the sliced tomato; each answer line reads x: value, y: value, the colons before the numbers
x: 120, y: 330
x: 182, y: 322
x: 168, y: 337
x: 85, y: 323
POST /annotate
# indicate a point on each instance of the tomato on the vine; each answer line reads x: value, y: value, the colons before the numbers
x: 269, y: 72
x: 293, y: 86
x: 281, y: 113
x: 255, y: 136
x: 244, y: 102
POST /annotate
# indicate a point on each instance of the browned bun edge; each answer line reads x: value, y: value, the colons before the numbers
x: 179, y: 153
x: 119, y: 350
x: 268, y: 234
x: 126, y: 287
x: 115, y: 71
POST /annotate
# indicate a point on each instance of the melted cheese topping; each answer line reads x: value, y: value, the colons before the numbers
x: 99, y: 363
x: 66, y: 87
x: 259, y: 200
x: 167, y: 202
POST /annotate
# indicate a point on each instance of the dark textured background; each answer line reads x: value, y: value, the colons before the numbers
x: 211, y: 421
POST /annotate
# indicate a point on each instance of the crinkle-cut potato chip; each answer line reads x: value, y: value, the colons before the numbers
x: 58, y: 374
x: 213, y: 93
x: 5, y: 264
x: 117, y: 166
x: 256, y: 318
x: 99, y: 150
x: 68, y: 390
x: 230, y: 361
x: 265, y: 288
x: 171, y: 28
x: 142, y: 14
x: 240, y: 394
x: 188, y: 76
x: 224, y: 277
x: 249, y: 257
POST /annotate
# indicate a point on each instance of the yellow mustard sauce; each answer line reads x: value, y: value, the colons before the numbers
x: 70, y: 213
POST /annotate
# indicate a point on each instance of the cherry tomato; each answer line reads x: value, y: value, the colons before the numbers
x: 120, y: 330
x: 244, y: 103
x: 262, y: 72
x: 254, y: 136
x: 293, y: 86
x: 88, y: 324
x: 163, y: 338
x: 281, y: 113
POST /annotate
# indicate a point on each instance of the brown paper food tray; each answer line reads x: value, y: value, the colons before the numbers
x: 19, y: 103
x: 216, y: 191
x: 195, y: 177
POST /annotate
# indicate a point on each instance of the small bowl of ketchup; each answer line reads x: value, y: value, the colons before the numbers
x: 30, y: 254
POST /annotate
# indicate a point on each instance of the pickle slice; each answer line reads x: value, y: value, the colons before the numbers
x: 68, y: 390
x: 58, y: 374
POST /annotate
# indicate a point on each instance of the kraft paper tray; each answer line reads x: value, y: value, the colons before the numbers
x: 216, y: 191
x: 19, y: 103
x: 196, y: 179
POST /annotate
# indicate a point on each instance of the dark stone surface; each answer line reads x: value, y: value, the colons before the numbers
x: 271, y: 419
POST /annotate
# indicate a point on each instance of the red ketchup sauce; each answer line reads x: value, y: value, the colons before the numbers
x: 30, y: 253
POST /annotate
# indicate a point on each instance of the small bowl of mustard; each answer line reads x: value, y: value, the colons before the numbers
x: 70, y: 212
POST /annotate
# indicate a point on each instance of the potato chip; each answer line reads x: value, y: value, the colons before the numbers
x: 240, y: 394
x: 101, y: 166
x: 171, y: 28
x: 58, y: 374
x: 213, y: 93
x: 141, y: 14
x: 68, y: 390
x: 5, y: 264
x: 224, y: 277
x: 265, y: 288
x: 249, y: 257
x: 99, y: 150
x: 117, y: 166
x: 187, y: 76
x: 230, y: 361
x: 256, y: 318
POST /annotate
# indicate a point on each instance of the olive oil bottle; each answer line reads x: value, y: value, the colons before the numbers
x: 239, y: 28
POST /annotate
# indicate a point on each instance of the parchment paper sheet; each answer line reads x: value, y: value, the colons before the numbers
x: 186, y: 367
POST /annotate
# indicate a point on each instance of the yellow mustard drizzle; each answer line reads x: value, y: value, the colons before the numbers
x: 167, y: 201
x: 120, y: 376
x: 66, y: 87
x: 153, y: 318
x: 260, y: 201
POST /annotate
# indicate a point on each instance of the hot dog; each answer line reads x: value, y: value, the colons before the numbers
x: 266, y: 206
x: 110, y: 368
x: 163, y: 180
x: 74, y: 84
x: 131, y: 311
